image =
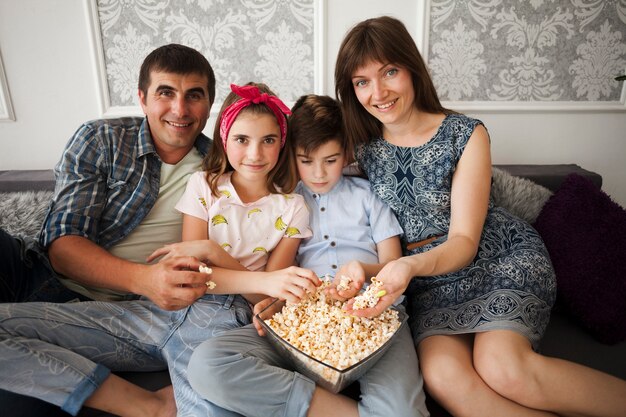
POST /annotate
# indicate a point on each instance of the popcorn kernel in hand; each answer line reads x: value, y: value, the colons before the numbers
x: 370, y: 297
x: 206, y: 270
x: 344, y: 283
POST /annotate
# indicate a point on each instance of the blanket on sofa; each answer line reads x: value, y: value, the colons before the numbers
x: 21, y: 213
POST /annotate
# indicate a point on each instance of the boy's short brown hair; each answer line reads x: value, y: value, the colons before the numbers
x: 315, y: 120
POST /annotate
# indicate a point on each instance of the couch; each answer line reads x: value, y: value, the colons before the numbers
x: 24, y: 196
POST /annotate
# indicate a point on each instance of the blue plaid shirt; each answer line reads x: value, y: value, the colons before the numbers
x: 106, y: 181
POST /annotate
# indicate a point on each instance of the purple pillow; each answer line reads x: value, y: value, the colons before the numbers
x: 585, y: 234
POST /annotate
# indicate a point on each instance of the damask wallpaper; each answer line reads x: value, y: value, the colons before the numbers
x: 244, y: 40
x: 527, y: 50
x: 493, y: 51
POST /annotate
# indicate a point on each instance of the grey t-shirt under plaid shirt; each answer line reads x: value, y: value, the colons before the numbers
x: 107, y: 181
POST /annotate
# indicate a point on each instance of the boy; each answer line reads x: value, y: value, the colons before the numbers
x: 348, y: 223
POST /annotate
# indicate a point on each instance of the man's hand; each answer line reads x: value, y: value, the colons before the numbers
x: 173, y: 283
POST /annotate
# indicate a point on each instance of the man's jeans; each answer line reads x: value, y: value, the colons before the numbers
x: 26, y: 274
x: 62, y: 353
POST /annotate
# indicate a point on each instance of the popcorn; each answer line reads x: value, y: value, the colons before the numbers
x: 370, y: 297
x: 320, y: 328
x: 344, y: 283
x: 206, y: 270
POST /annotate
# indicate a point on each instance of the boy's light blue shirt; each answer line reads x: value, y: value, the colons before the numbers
x: 347, y: 223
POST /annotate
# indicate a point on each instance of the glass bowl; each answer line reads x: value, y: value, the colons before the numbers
x: 323, y: 374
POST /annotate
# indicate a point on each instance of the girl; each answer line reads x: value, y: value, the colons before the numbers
x: 237, y: 213
x: 479, y: 280
x: 238, y: 216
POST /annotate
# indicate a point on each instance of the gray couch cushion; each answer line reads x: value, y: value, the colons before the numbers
x: 519, y: 196
x: 28, y: 179
x: 550, y: 176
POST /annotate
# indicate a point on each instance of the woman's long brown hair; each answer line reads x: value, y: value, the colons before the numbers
x: 386, y: 40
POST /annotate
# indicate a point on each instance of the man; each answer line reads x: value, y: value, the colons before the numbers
x: 116, y: 186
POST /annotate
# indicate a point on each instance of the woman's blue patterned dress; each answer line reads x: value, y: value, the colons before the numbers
x: 509, y: 285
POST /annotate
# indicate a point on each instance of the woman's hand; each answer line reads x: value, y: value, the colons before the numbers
x: 395, y: 276
x: 260, y: 306
x: 291, y: 284
x: 353, y: 270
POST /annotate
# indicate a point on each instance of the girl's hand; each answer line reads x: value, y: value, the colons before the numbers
x: 353, y: 270
x: 260, y: 306
x: 291, y: 284
x: 395, y: 276
x: 199, y: 249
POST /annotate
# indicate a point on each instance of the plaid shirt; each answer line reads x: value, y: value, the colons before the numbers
x: 106, y: 181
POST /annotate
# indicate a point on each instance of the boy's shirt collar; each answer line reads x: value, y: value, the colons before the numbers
x: 303, y: 188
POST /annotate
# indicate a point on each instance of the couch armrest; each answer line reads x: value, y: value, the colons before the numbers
x: 26, y: 180
x: 550, y: 176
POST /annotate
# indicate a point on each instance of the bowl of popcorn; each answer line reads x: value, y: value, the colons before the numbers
x: 326, y: 344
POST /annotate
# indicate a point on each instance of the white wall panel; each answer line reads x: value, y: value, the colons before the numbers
x: 48, y: 55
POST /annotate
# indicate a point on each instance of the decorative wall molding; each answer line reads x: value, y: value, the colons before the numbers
x: 95, y: 39
x: 279, y: 43
x: 6, y: 108
x: 531, y: 55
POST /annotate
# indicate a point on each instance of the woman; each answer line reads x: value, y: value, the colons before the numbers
x: 480, y: 282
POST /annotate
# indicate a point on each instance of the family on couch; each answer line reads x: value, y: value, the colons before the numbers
x: 479, y: 282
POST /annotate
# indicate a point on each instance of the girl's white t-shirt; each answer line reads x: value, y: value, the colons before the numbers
x: 247, y: 231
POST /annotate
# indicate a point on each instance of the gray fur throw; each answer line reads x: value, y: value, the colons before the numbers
x: 519, y: 196
x: 21, y: 213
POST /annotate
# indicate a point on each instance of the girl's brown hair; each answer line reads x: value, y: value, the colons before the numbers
x: 386, y: 40
x: 215, y: 164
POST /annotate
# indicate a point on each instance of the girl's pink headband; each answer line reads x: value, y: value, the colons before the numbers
x: 252, y: 95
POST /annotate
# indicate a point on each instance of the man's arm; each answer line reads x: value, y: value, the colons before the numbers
x: 171, y: 284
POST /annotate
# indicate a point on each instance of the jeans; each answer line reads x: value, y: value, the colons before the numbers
x: 240, y: 364
x: 62, y: 353
x: 26, y: 273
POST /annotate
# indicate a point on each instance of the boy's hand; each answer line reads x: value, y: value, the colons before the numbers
x: 352, y: 270
x: 260, y: 306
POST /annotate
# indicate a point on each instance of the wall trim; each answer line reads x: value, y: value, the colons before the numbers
x: 102, y: 88
x: 422, y: 28
x: 320, y: 45
x: 534, y: 106
x: 6, y: 108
